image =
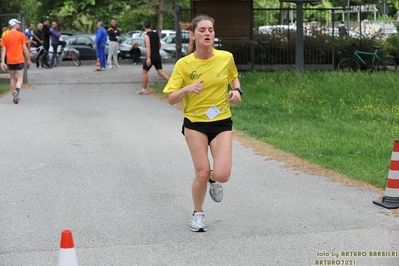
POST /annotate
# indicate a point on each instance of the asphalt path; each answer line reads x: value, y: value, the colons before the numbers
x: 82, y: 151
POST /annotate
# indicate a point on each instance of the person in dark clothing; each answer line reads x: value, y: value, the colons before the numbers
x: 152, y: 45
x: 38, y: 36
x: 113, y: 32
x: 342, y: 30
x: 46, y: 30
x: 135, y: 53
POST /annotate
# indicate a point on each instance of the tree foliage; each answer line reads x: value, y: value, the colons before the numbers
x: 82, y: 15
x: 16, y: 7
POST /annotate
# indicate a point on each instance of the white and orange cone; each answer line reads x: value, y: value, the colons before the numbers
x: 67, y: 250
x: 391, y: 199
x: 98, y: 66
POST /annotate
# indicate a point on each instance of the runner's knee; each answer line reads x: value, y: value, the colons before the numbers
x: 221, y: 176
x: 203, y: 175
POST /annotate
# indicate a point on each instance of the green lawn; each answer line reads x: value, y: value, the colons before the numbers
x: 345, y: 122
x: 4, y: 88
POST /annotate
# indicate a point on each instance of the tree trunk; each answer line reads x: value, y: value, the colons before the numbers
x: 281, y: 13
x: 160, y: 17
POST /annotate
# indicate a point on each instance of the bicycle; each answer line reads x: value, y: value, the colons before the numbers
x: 43, y: 57
x: 386, y: 63
x: 67, y: 52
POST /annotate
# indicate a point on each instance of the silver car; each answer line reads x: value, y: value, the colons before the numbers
x: 124, y: 49
x: 169, y: 44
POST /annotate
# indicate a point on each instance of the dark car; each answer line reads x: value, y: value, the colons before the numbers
x: 70, y: 33
x: 84, y: 44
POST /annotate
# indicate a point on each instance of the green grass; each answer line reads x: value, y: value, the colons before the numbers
x: 346, y: 122
x: 4, y: 88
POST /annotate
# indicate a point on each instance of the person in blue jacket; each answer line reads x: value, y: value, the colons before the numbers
x: 101, y: 39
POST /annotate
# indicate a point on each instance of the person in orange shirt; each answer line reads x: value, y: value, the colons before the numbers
x: 14, y: 47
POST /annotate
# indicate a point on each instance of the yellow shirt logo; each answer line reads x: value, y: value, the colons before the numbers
x: 194, y: 75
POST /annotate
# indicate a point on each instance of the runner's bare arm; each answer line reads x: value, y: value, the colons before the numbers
x: 3, y: 58
x: 26, y: 53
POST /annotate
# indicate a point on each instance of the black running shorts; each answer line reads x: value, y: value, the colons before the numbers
x: 155, y: 61
x: 210, y: 129
x: 16, y: 66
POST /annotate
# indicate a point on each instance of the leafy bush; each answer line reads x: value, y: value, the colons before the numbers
x: 391, y: 46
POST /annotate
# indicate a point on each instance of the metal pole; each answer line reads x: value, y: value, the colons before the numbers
x: 299, y: 60
x: 291, y: 14
x: 178, y: 32
x: 385, y: 12
x: 333, y: 39
x: 22, y: 29
x: 349, y: 19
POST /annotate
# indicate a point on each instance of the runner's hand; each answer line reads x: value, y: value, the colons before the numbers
x: 195, y: 87
x: 234, y: 96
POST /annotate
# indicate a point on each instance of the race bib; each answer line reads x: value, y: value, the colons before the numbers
x: 212, y: 112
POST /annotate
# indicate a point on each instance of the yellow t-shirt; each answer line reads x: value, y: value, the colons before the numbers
x: 4, y: 33
x: 217, y: 72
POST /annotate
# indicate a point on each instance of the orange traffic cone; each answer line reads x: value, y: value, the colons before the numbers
x: 391, y: 199
x: 98, y: 66
x: 67, y: 250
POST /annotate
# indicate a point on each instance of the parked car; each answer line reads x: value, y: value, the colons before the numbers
x: 124, y: 49
x: 120, y: 38
x: 84, y: 44
x: 384, y: 34
x: 164, y: 33
x: 134, y: 33
x: 169, y: 43
x: 358, y: 35
x: 70, y: 33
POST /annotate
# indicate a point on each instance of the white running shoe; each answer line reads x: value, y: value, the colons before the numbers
x: 142, y: 92
x: 110, y: 67
x: 197, y: 222
x: 216, y: 191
